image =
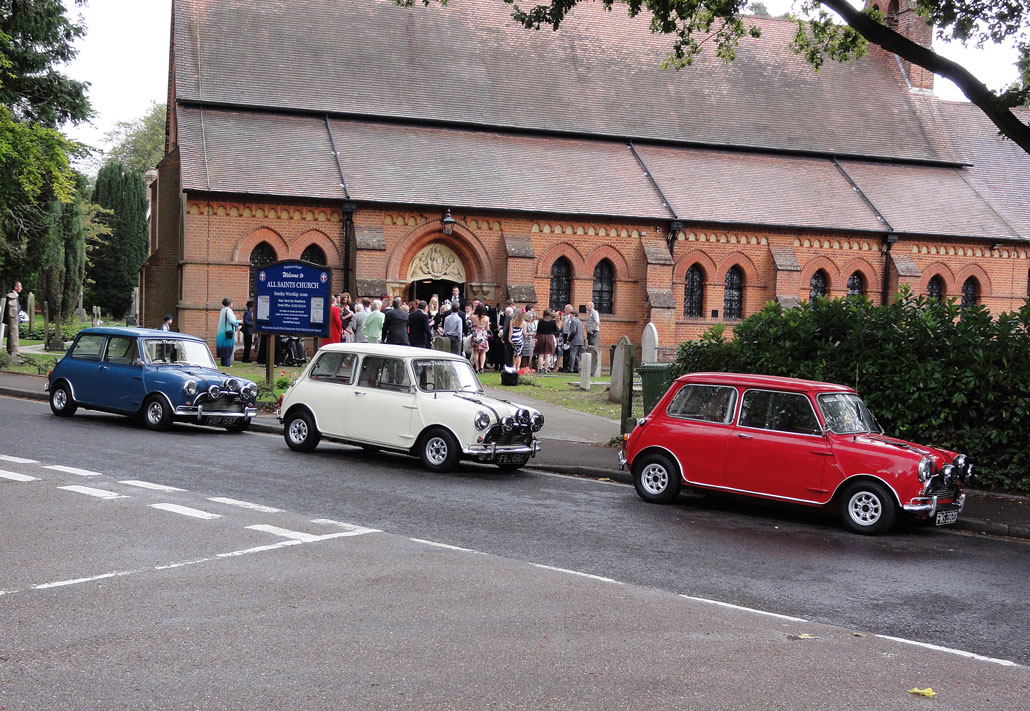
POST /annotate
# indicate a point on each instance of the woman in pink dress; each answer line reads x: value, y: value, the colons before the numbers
x: 480, y: 338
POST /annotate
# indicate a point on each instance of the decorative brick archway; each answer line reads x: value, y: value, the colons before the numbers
x: 464, y: 243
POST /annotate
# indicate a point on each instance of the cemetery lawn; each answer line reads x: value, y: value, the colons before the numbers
x: 560, y: 389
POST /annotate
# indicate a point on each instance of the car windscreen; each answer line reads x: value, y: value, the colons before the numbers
x: 177, y: 351
x: 845, y: 413
x: 441, y: 375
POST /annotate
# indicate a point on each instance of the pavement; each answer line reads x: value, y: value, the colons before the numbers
x: 578, y: 444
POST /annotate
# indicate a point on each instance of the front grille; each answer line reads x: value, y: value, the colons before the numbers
x: 222, y: 404
x: 941, y: 490
x: 520, y: 434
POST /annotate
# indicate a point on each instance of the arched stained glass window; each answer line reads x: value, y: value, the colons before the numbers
x: 935, y: 287
x: 733, y: 294
x: 314, y: 254
x: 856, y: 284
x: 817, y: 285
x: 970, y: 292
x: 604, y: 287
x: 561, y: 283
x: 262, y: 254
x: 694, y: 293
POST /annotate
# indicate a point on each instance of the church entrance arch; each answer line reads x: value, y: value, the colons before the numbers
x: 436, y: 269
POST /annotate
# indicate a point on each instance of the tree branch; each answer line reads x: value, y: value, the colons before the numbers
x: 987, y: 101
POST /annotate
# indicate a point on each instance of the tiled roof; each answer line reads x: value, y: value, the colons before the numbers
x: 272, y: 154
x: 928, y: 200
x: 1001, y: 169
x: 470, y: 63
x: 756, y: 188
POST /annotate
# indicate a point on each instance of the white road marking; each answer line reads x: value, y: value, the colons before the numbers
x: 89, y: 491
x: 353, y: 528
x: 294, y: 535
x: 443, y: 545
x: 14, y: 476
x: 949, y: 650
x: 72, y: 470
x: 62, y: 583
x: 148, y: 485
x: 18, y: 460
x: 576, y: 572
x: 244, y: 504
x: 185, y: 511
x: 745, y: 609
x: 259, y: 549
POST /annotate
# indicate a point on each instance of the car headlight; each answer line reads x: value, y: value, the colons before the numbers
x: 925, y: 469
x: 482, y: 420
x: 190, y: 387
x: 232, y: 385
x: 250, y: 390
x: 508, y: 423
x: 214, y: 392
x: 537, y: 422
x: 523, y: 416
x: 947, y: 473
x: 959, y: 461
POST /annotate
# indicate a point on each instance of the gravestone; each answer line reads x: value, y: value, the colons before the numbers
x: 97, y: 320
x: 134, y: 309
x: 595, y: 360
x: 623, y: 347
x: 649, y: 344
x: 585, y: 369
x: 30, y: 309
x: 80, y: 313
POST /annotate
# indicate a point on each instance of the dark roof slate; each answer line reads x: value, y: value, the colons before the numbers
x: 470, y: 63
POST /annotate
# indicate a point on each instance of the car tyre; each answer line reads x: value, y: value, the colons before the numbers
x: 157, y: 415
x: 238, y: 427
x: 300, y: 432
x: 868, y: 508
x: 656, y: 478
x: 61, y: 402
x: 438, y: 450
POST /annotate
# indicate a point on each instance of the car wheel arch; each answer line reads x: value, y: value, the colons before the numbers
x: 858, y: 478
x: 413, y: 450
x: 301, y: 408
x: 67, y: 384
x: 658, y: 449
x: 158, y: 393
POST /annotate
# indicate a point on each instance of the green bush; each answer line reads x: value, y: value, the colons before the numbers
x: 932, y: 372
x: 36, y: 333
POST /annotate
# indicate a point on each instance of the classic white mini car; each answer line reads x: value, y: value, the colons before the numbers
x: 423, y: 402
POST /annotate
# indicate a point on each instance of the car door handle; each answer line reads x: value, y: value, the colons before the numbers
x: 744, y: 436
x: 103, y: 367
x: 822, y: 453
x: 359, y: 393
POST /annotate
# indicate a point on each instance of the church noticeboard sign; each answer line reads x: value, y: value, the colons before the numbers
x: 293, y: 297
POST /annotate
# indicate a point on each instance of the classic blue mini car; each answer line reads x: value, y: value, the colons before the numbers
x: 162, y: 375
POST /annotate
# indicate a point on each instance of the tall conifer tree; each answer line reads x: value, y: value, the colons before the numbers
x: 116, y: 264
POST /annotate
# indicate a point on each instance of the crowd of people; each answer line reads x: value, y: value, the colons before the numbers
x: 496, y: 336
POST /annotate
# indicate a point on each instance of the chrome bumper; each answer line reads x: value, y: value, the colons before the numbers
x: 927, y: 506
x: 199, y: 413
x: 622, y: 460
x: 489, y: 451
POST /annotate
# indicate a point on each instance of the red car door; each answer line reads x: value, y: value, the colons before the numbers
x: 777, y: 448
x: 697, y: 427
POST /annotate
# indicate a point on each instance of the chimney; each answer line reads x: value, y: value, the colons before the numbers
x: 901, y: 17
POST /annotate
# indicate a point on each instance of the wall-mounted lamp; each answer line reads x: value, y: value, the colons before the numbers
x: 996, y: 246
x: 448, y: 223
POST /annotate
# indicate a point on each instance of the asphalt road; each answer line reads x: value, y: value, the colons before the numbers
x: 960, y: 591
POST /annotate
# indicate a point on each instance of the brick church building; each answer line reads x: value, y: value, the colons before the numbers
x: 411, y: 150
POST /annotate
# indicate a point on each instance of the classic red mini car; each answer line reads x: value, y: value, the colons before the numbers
x: 790, y: 440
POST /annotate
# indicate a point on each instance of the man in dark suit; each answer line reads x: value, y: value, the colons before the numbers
x: 457, y: 302
x: 395, y: 324
x: 419, y: 334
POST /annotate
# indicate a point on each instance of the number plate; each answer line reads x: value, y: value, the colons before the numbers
x: 512, y: 458
x: 221, y: 421
x: 947, y: 517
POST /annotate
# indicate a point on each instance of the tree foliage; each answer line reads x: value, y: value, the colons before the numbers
x: 116, y: 263
x: 932, y: 372
x: 35, y: 99
x: 720, y: 24
x: 139, y: 144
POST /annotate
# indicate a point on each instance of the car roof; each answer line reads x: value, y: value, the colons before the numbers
x: 136, y: 332
x: 750, y: 380
x: 387, y: 349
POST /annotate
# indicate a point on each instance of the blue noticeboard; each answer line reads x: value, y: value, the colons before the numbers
x: 293, y: 297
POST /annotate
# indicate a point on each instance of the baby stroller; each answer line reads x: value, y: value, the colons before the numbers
x: 292, y: 351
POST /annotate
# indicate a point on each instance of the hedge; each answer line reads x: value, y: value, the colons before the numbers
x: 932, y: 372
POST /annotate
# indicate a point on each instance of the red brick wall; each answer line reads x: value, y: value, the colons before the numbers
x: 221, y: 234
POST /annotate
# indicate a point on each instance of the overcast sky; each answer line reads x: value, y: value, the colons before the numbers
x: 124, y: 56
